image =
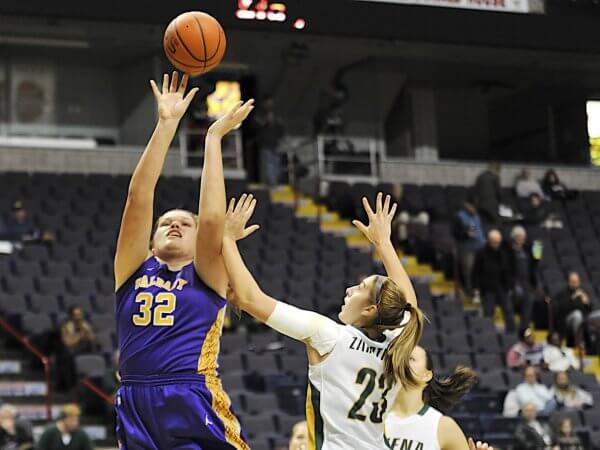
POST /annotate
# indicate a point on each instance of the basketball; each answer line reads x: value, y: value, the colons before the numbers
x: 194, y: 42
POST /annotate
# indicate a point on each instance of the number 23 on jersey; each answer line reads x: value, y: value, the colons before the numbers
x: 378, y: 408
x: 161, y: 315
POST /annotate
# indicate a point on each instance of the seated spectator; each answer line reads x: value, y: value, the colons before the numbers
x: 469, y: 235
x: 573, y: 304
x: 552, y: 187
x: 21, y: 227
x: 533, y: 434
x: 299, y: 438
x: 488, y: 194
x: 568, y: 395
x: 491, y: 279
x: 525, y: 352
x: 536, y: 213
x: 524, y: 273
x: 529, y: 392
x: 65, y: 433
x: 407, y: 216
x: 14, y: 434
x: 557, y: 357
x: 77, y: 337
x: 527, y: 185
x: 566, y: 439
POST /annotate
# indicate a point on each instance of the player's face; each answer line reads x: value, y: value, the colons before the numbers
x: 357, y: 308
x: 299, y: 439
x: 175, y: 234
x: 418, y: 365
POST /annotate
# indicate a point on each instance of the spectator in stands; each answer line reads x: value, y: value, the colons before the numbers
x: 299, y: 438
x: 533, y: 434
x: 527, y: 185
x: 407, y: 220
x: 77, y: 337
x: 14, y: 434
x: 469, y: 235
x: 566, y: 439
x: 535, y: 214
x: 487, y: 192
x: 552, y: 187
x: 20, y: 225
x: 573, y: 305
x: 569, y: 396
x: 557, y: 357
x: 491, y: 279
x: 529, y: 392
x: 524, y: 273
x: 525, y: 352
x: 270, y: 135
x: 65, y: 433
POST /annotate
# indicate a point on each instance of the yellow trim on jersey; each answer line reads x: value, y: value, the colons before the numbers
x: 310, y: 419
x: 221, y: 404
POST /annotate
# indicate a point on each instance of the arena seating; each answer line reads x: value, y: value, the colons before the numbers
x: 293, y: 259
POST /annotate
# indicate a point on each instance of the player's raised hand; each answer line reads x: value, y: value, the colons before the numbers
x: 380, y: 222
x: 171, y: 102
x: 238, y: 216
x: 479, y: 445
x: 232, y: 119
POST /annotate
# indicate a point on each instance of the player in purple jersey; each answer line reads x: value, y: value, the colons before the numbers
x: 170, y: 299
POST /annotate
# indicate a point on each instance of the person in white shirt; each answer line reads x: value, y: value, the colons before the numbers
x: 530, y: 391
x: 355, y: 368
x: 558, y: 357
x: 527, y: 185
x: 417, y: 420
x: 569, y: 395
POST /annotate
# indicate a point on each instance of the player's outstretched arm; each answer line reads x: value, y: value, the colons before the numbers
x: 318, y: 331
x: 379, y: 232
x: 208, y: 260
x: 136, y: 223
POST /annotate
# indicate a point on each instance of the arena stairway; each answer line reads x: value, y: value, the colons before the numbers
x: 22, y: 385
x: 332, y: 223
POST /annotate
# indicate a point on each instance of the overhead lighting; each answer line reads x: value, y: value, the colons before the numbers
x: 44, y: 42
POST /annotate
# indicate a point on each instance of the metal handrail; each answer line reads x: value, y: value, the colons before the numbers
x: 97, y: 390
x: 39, y: 355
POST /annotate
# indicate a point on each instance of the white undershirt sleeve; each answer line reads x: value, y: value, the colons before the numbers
x: 318, y: 331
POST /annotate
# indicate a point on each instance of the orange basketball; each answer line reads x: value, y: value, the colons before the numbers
x: 194, y: 42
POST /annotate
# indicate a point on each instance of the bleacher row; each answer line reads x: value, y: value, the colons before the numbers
x: 293, y: 260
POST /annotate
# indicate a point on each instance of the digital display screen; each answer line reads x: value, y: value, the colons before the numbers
x: 224, y: 97
x: 268, y: 11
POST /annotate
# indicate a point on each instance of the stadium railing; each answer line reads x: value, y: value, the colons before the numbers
x: 40, y: 356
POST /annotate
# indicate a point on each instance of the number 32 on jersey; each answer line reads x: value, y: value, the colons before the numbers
x: 161, y: 315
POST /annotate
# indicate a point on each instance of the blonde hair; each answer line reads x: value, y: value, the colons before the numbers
x: 69, y: 410
x: 391, y: 309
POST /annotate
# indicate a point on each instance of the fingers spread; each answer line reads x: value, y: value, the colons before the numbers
x: 155, y: 90
x: 231, y: 206
x: 386, y: 205
x: 378, y: 203
x: 367, y: 206
x: 190, y: 96
x: 240, y: 204
x: 393, y: 211
x: 165, y: 87
x: 184, y: 83
x: 174, y: 79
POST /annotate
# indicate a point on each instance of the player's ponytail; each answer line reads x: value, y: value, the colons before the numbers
x: 444, y: 393
x: 395, y: 313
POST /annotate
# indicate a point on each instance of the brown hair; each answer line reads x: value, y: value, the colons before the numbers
x: 444, y: 393
x: 391, y: 306
x: 157, y: 221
